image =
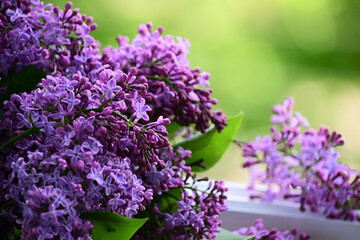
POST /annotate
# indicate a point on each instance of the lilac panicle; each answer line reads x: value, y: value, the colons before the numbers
x: 44, y: 36
x: 92, y: 135
x: 302, y: 163
x: 77, y: 167
x: 173, y: 85
x: 193, y: 216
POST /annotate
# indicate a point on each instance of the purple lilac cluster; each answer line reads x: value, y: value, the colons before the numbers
x: 173, y: 86
x: 68, y: 166
x: 196, y: 212
x: 301, y: 163
x: 261, y: 233
x: 194, y: 216
x: 44, y: 36
x: 92, y: 135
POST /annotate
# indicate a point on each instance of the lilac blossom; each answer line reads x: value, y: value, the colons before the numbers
x: 85, y: 150
x: 141, y: 109
x: 173, y: 86
x: 45, y: 37
x: 93, y: 132
x: 193, y: 215
x: 301, y: 163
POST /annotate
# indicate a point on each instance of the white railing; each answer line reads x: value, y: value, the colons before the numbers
x: 283, y: 215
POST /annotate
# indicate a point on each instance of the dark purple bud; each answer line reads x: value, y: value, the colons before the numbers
x: 7, y: 5
x: 89, y: 20
x: 93, y: 27
x: 132, y: 72
x: 68, y: 6
x: 56, y: 10
x: 149, y: 26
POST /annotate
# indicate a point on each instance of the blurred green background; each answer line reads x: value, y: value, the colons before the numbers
x: 258, y: 53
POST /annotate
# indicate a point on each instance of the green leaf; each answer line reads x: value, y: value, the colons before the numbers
x: 110, y: 226
x: 24, y: 81
x: 168, y: 200
x: 172, y: 128
x: 16, y: 235
x: 207, y: 149
x: 227, y: 235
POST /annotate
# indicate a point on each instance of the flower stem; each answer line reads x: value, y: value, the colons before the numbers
x: 19, y: 137
x: 159, y: 78
x: 128, y: 121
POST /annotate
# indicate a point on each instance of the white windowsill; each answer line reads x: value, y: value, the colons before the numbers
x: 283, y: 215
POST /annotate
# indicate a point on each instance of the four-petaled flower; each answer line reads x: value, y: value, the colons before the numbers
x: 71, y: 101
x: 53, y: 214
x: 141, y: 109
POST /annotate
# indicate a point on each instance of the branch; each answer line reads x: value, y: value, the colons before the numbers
x: 19, y: 137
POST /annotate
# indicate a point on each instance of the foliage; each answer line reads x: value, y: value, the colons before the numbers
x: 228, y: 235
x: 24, y: 81
x: 207, y: 149
x: 109, y: 226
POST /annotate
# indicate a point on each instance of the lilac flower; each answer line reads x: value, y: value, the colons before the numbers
x: 45, y: 233
x: 162, y: 63
x: 41, y: 43
x: 86, y: 54
x: 76, y: 147
x: 185, y: 206
x: 203, y: 79
x: 14, y: 15
x: 67, y: 138
x: 306, y: 160
x: 53, y: 214
x: 141, y: 109
x: 60, y: 199
x: 75, y: 153
x: 131, y: 209
x: 99, y: 140
x: 56, y: 36
x: 116, y: 202
x: 96, y: 175
x: 199, y: 222
x: 66, y: 84
x: 20, y: 168
x: 91, y: 145
x: 43, y: 122
x: 110, y: 89
x: 109, y: 187
x: 181, y: 219
x: 87, y: 123
x: 71, y: 101
x: 24, y: 120
x: 164, y: 97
